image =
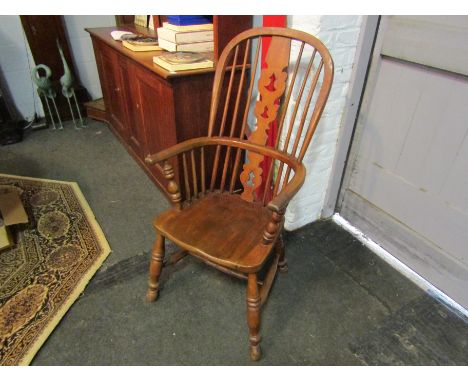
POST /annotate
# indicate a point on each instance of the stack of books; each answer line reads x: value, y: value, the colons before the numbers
x: 175, y: 37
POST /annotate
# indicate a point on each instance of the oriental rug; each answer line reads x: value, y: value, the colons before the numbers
x: 53, y: 258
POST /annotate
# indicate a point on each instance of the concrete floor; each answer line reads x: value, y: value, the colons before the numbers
x: 339, y: 304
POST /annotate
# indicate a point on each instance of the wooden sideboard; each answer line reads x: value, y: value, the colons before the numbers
x: 149, y: 108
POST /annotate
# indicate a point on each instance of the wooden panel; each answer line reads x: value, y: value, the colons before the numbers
x: 114, y: 70
x: 436, y: 41
x: 192, y: 96
x: 385, y: 129
x: 441, y: 224
x: 406, y: 178
x: 157, y: 109
x: 226, y: 28
x: 404, y: 175
x: 455, y: 188
x: 437, y: 129
x: 429, y: 261
x: 152, y: 107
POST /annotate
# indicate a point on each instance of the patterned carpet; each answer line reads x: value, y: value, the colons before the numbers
x: 54, y: 257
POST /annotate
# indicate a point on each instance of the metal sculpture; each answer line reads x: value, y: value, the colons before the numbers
x: 68, y: 91
x: 45, y: 88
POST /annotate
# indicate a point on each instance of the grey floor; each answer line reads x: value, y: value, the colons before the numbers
x: 339, y: 304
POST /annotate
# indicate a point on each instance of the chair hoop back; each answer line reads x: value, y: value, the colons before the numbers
x: 286, y: 91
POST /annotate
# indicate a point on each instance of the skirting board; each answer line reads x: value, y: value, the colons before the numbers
x: 398, y: 265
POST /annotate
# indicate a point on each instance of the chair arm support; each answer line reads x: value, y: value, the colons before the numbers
x: 280, y: 202
x: 167, y: 170
x: 172, y: 186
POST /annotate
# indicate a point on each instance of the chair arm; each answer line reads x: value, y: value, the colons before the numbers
x: 223, y: 141
x: 175, y: 150
x: 280, y: 202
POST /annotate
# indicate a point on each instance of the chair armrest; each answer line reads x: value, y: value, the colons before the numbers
x: 175, y: 150
x: 280, y: 202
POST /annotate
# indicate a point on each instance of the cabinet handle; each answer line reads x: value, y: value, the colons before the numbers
x: 117, y: 90
x: 137, y: 105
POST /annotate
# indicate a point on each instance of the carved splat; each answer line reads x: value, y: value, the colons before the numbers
x: 271, y: 85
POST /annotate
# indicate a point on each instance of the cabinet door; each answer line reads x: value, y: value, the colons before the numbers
x: 155, y: 111
x: 136, y: 133
x: 115, y: 84
x: 154, y: 114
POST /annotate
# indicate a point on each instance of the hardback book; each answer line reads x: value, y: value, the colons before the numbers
x: 180, y: 61
x: 141, y: 20
x: 189, y: 19
x: 184, y: 37
x: 151, y: 23
x: 188, y: 28
x: 206, y: 46
x: 138, y: 47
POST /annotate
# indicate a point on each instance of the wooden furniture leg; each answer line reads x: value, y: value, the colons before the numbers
x: 157, y: 256
x: 253, y: 316
x: 279, y: 249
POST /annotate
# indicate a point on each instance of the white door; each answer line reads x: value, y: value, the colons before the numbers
x: 406, y: 181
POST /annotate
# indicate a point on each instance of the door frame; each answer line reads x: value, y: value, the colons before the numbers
x: 404, y: 244
x: 359, y: 75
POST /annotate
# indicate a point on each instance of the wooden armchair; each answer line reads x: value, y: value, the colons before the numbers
x: 222, y: 210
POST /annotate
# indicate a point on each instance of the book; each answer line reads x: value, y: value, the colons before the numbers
x: 151, y: 23
x: 141, y: 20
x: 188, y: 28
x: 180, y: 61
x: 206, y: 46
x: 137, y: 47
x: 184, y: 37
x: 189, y: 19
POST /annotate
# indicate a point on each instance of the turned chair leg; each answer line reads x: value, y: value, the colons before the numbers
x: 279, y: 249
x: 157, y: 257
x: 253, y: 317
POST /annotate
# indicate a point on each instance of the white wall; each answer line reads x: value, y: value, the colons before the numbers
x: 340, y: 34
x: 82, y: 48
x: 16, y: 63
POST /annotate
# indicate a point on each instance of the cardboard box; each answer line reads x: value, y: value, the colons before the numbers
x: 11, y: 212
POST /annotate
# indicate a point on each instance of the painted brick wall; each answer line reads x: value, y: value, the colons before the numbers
x: 82, y: 48
x: 340, y: 34
x: 16, y: 61
x: 15, y: 65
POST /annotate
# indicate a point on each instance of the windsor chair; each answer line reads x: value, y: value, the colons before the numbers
x: 229, y: 209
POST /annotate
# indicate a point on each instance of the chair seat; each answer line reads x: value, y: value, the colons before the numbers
x: 221, y: 228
